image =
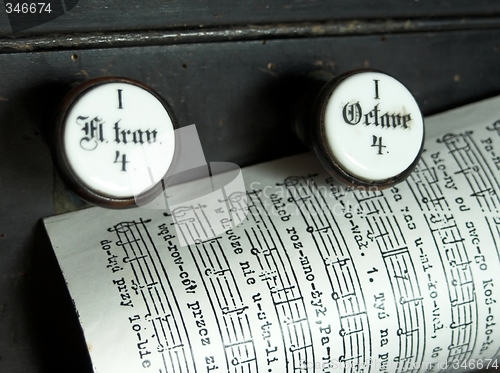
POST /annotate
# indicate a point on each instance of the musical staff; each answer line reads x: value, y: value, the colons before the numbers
x: 409, y: 307
x: 386, y: 232
x: 227, y: 303
x: 277, y: 272
x: 193, y: 224
x: 493, y: 224
x: 330, y: 243
x: 152, y: 282
x: 423, y: 182
x: 384, y: 229
x: 196, y: 220
x: 372, y: 202
x: 483, y: 184
x: 199, y: 231
x: 458, y: 272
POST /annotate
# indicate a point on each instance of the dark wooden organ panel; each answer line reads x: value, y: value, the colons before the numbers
x: 236, y: 70
x: 126, y: 15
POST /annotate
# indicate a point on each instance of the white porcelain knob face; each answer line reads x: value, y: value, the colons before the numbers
x: 373, y: 127
x: 118, y: 139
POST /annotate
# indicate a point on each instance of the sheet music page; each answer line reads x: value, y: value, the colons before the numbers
x: 301, y: 274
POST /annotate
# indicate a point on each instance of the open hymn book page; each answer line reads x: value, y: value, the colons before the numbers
x: 300, y: 274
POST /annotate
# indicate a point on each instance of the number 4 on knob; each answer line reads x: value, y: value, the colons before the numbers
x: 123, y: 160
x: 377, y: 142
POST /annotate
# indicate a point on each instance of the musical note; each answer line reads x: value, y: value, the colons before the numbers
x: 125, y: 227
x: 455, y: 325
x: 402, y: 276
x: 399, y: 359
x: 323, y: 229
x: 416, y: 300
x: 410, y: 332
x: 239, y: 310
x: 455, y: 240
x: 465, y: 264
x: 128, y: 260
x: 484, y: 192
x: 294, y: 348
x: 341, y: 262
x: 127, y: 242
x: 380, y: 235
x: 277, y: 303
x: 343, y: 359
x: 344, y: 333
x: 289, y: 321
x: 448, y: 138
x: 184, y: 221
